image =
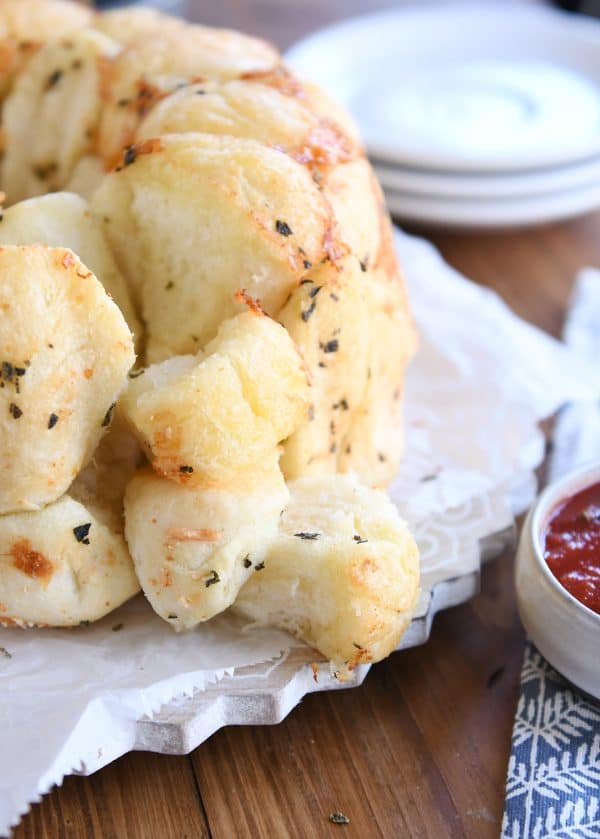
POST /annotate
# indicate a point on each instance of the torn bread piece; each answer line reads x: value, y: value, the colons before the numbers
x: 206, y: 420
x: 191, y: 217
x: 101, y: 485
x: 65, y: 220
x: 194, y: 548
x: 50, y: 119
x: 61, y: 566
x: 342, y: 574
x: 65, y: 350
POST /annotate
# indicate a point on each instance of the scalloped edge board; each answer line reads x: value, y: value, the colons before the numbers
x: 454, y: 546
x: 265, y: 694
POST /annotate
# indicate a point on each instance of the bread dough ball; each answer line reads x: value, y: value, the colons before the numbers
x: 194, y: 548
x: 61, y: 566
x: 37, y: 21
x: 65, y: 350
x: 342, y: 573
x: 207, y: 420
x: 26, y: 24
x: 153, y: 65
x: 353, y: 327
x: 65, y: 220
x: 374, y: 444
x: 353, y: 194
x: 254, y: 110
x: 192, y: 218
x: 327, y: 317
x: 50, y: 119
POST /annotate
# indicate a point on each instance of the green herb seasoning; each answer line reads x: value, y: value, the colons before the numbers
x: 338, y: 818
x: 108, y: 416
x: 53, y: 79
x: 214, y: 578
x: 129, y: 156
x: 306, y: 313
x: 81, y: 533
x: 283, y: 228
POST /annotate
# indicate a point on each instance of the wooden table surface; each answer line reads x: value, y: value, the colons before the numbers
x: 420, y: 750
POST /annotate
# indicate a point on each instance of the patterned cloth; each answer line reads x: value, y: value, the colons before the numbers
x: 553, y: 782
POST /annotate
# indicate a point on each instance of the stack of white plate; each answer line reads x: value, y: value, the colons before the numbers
x: 477, y: 114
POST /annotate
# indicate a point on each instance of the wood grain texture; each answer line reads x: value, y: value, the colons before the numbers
x: 532, y: 269
x: 141, y: 796
x: 420, y: 750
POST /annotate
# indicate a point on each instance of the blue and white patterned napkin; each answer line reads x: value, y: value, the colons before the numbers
x: 553, y: 782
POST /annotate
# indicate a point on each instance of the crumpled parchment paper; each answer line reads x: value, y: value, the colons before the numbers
x: 479, y: 384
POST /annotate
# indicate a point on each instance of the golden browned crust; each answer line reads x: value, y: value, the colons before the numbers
x: 30, y: 562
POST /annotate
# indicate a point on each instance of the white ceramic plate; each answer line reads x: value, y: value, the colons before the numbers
x: 475, y: 185
x: 465, y: 86
x: 500, y: 212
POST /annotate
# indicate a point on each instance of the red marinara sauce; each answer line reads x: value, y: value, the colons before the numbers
x: 572, y: 546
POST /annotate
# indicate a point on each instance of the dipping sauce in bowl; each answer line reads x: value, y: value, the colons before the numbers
x: 557, y: 576
x: 572, y: 546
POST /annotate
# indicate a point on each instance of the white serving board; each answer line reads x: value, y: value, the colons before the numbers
x: 453, y: 547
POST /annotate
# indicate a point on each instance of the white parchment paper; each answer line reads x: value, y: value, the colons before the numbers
x: 480, y: 382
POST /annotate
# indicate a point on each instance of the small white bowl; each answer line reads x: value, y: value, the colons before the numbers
x: 565, y: 631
